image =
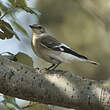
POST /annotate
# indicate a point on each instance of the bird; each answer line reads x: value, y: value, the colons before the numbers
x: 53, y: 51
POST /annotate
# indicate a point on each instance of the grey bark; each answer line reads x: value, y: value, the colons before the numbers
x: 57, y: 87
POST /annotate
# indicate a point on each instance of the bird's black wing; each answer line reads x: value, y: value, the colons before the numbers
x: 55, y: 45
x: 50, y: 42
x: 70, y: 51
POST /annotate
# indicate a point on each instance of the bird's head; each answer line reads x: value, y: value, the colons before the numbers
x: 37, y: 29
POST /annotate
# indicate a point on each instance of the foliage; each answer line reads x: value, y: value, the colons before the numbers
x: 7, y: 31
x: 24, y: 59
x: 19, y: 57
x: 8, y: 9
x: 14, y: 6
x: 10, y: 103
x: 36, y: 106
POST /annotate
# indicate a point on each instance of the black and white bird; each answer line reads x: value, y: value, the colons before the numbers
x: 51, y: 50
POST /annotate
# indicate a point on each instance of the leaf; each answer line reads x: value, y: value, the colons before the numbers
x: 2, y: 35
x: 9, y: 55
x: 0, y: 13
x: 19, y: 57
x: 36, y: 106
x: 19, y: 27
x: 7, y: 31
x: 9, y: 11
x: 10, y: 103
x: 12, y: 2
x: 31, y: 10
x: 21, y: 2
x: 24, y: 59
x: 3, y: 7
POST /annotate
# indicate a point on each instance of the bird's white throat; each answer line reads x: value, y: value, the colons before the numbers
x: 35, y: 35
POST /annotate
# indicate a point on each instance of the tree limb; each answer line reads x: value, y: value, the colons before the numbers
x: 57, y: 87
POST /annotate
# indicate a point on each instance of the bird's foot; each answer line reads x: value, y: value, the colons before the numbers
x: 37, y: 68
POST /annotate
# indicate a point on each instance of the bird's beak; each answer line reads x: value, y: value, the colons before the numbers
x: 30, y: 26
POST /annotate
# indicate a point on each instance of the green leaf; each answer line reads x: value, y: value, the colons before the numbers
x: 12, y: 2
x: 2, y: 35
x: 19, y: 27
x: 24, y: 59
x: 30, y: 10
x: 3, y: 7
x: 9, y: 11
x: 21, y: 2
x: 10, y: 103
x: 7, y: 31
x: 0, y: 13
x: 9, y: 55
x: 19, y: 57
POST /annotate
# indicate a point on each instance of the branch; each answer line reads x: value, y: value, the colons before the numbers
x: 57, y: 87
x: 7, y: 12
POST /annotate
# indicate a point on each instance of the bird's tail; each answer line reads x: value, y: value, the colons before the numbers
x: 92, y: 62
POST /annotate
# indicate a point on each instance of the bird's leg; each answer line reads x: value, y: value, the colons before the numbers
x: 54, y: 67
x: 51, y: 67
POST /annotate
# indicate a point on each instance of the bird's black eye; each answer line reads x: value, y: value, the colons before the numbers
x: 39, y: 27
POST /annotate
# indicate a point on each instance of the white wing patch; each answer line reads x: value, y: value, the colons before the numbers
x: 64, y: 45
x: 61, y: 49
x: 60, y: 46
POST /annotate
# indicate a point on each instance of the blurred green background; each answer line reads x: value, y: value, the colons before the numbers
x: 79, y: 25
